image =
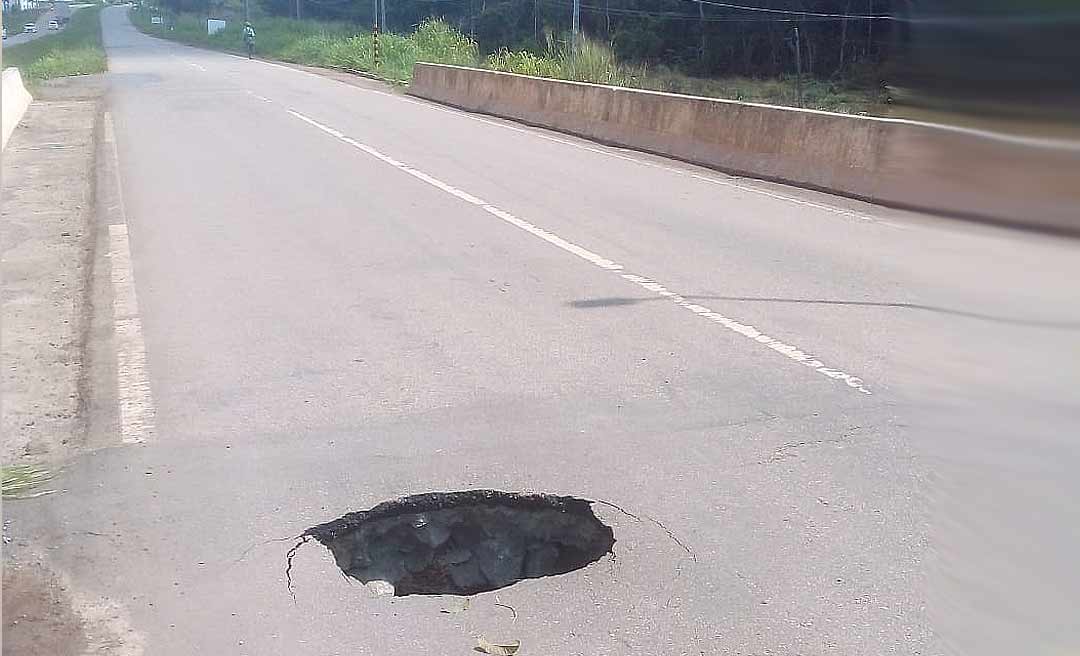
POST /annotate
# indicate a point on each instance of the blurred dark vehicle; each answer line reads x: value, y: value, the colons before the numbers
x: 1009, y: 58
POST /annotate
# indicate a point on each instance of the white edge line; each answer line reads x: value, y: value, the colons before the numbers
x: 593, y: 149
x: 746, y: 330
x: 134, y: 398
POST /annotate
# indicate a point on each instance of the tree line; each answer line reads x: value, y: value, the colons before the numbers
x: 1014, y: 51
x: 696, y: 36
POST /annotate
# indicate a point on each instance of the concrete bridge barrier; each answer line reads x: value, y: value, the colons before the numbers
x: 1028, y: 182
x: 15, y: 100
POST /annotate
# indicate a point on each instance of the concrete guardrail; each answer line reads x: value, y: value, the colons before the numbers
x: 15, y: 100
x: 1021, y: 181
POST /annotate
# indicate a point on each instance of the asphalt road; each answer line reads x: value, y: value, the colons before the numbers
x: 42, y: 30
x: 345, y: 295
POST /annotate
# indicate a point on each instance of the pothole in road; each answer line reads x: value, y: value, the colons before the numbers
x: 463, y: 543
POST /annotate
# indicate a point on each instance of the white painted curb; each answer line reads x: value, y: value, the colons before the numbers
x: 15, y: 101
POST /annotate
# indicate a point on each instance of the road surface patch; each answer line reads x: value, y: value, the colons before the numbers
x: 792, y: 352
x: 464, y: 543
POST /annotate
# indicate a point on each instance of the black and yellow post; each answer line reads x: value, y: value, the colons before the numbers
x: 375, y: 38
x: 375, y: 48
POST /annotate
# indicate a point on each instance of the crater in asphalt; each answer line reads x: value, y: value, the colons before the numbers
x: 462, y: 543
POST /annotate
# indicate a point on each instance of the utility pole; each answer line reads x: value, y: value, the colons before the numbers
x: 576, y: 30
x: 536, y: 21
x: 869, y: 27
x: 798, y: 66
x: 701, y: 26
x: 247, y: 16
x: 382, y: 14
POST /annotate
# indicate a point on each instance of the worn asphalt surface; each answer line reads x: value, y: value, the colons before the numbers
x: 329, y: 323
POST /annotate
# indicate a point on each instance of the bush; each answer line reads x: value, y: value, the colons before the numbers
x: 353, y: 52
x: 61, y: 63
x: 523, y: 63
x: 592, y: 61
x: 340, y: 45
x: 316, y: 43
x: 437, y: 42
x: 316, y: 50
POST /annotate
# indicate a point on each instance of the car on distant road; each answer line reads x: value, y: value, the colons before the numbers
x: 54, y: 25
x: 30, y: 28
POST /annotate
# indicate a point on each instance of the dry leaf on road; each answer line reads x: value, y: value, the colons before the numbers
x: 485, y: 647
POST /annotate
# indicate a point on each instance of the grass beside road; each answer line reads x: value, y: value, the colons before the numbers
x: 595, y: 62
x: 316, y: 43
x: 825, y: 95
x: 340, y: 45
x: 76, y: 50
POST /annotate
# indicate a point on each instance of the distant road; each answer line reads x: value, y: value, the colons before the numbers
x: 317, y: 295
x: 42, y: 25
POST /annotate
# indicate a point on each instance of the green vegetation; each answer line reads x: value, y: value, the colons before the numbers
x: 826, y: 95
x: 592, y: 61
x: 15, y: 19
x: 327, y: 44
x: 18, y: 480
x: 707, y: 40
x: 596, y: 62
x: 74, y: 51
x: 337, y: 45
x: 433, y: 41
x: 274, y: 34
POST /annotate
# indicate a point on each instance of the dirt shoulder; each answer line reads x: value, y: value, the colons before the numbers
x: 47, y: 241
x: 38, y: 618
x: 44, y: 613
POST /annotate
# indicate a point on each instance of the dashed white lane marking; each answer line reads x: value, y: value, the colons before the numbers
x: 134, y: 398
x: 735, y: 184
x: 258, y: 97
x: 748, y: 331
x: 653, y: 165
x: 198, y: 67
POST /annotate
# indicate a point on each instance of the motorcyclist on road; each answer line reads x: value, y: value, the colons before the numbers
x: 249, y: 38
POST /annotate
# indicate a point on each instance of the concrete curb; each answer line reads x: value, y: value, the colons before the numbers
x: 16, y: 100
x: 947, y: 170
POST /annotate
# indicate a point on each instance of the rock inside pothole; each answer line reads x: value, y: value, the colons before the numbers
x: 464, y: 543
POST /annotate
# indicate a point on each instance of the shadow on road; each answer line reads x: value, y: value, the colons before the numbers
x: 617, y: 301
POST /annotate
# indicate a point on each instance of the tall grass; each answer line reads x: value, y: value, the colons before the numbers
x: 274, y: 34
x: 827, y: 95
x: 433, y: 41
x: 595, y: 61
x: 74, y: 51
x: 591, y: 61
x: 343, y: 46
x: 329, y: 44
